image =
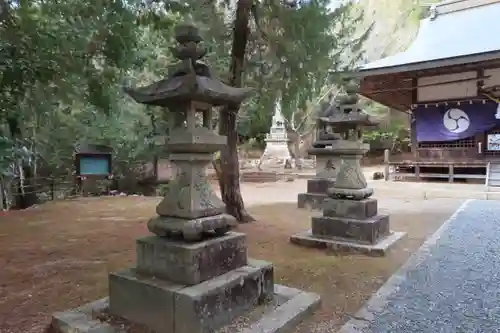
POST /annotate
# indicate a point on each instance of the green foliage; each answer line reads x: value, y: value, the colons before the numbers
x: 295, y: 51
x: 376, y: 135
x: 10, y: 152
x: 63, y: 66
x: 395, y: 138
x: 162, y: 190
x: 373, y: 108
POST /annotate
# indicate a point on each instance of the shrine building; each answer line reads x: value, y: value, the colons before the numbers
x: 448, y: 81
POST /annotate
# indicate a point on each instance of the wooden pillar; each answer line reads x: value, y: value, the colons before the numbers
x: 451, y: 173
x: 386, y: 163
x: 413, y: 141
x: 413, y: 128
x: 413, y: 124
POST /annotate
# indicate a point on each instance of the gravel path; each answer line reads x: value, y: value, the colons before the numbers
x: 449, y: 285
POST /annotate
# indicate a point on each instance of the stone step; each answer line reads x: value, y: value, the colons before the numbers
x: 259, y: 177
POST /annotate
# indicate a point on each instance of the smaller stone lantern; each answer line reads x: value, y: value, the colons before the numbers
x: 350, y: 220
x: 328, y: 159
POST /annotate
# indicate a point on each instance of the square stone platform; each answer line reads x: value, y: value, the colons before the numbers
x: 190, y: 287
x: 170, y: 307
x: 350, y: 226
x: 339, y: 245
x: 280, y: 314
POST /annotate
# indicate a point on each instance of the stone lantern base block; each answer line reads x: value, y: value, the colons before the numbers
x: 319, y: 185
x: 360, y: 210
x: 311, y: 200
x: 164, y: 306
x: 190, y: 263
x: 380, y: 248
x: 367, y: 231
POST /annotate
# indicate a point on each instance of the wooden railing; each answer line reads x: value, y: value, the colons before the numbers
x: 35, y: 190
x: 447, y: 154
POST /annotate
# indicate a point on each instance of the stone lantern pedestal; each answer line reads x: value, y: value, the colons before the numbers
x: 192, y: 275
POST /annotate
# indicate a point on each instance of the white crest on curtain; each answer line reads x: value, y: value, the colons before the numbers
x: 497, y: 115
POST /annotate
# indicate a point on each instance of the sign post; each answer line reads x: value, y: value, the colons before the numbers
x: 92, y: 163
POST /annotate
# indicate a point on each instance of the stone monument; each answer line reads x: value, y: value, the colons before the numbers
x: 350, y: 220
x: 276, y: 153
x: 193, y: 274
x: 328, y: 158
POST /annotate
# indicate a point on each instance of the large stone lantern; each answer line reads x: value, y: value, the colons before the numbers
x: 193, y: 275
x: 192, y: 244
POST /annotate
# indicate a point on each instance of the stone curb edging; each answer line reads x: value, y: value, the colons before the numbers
x: 377, y: 302
x: 300, y: 305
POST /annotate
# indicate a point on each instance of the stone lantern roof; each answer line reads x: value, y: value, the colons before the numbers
x: 345, y: 110
x: 192, y: 79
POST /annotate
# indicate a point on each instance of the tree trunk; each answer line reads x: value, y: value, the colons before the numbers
x: 26, y: 192
x: 229, y: 171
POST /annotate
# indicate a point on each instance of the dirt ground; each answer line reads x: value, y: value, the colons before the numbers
x: 57, y: 256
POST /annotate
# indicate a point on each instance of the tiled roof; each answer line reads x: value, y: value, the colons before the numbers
x: 458, y: 28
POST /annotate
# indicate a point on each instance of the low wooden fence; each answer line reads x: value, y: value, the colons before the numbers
x: 16, y: 193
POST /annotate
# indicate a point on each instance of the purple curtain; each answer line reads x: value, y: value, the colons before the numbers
x: 454, y: 122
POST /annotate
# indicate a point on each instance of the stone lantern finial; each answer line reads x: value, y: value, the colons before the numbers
x: 189, y: 49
